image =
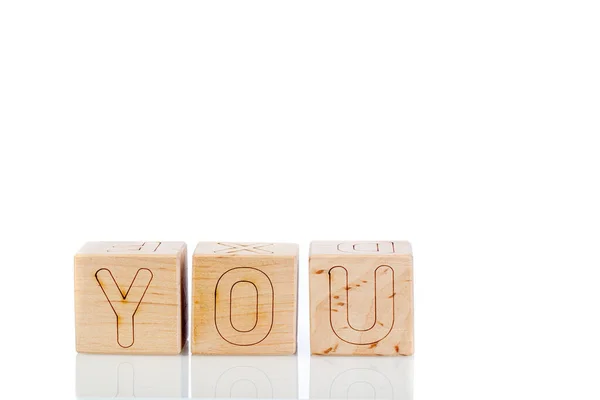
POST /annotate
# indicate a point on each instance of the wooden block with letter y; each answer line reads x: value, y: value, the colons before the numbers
x: 130, y: 297
x: 244, y: 298
x: 361, y: 298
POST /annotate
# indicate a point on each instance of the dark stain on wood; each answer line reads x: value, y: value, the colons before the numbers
x: 327, y: 351
x: 397, y: 349
x: 340, y: 303
x: 320, y: 271
x: 373, y: 345
x: 336, y: 297
x: 393, y: 294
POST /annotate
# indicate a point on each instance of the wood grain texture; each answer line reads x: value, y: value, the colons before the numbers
x: 361, y: 298
x: 244, y: 298
x: 130, y: 297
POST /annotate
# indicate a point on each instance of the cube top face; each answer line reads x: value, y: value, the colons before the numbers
x: 132, y: 248
x: 130, y: 297
x: 361, y: 298
x: 244, y: 302
x: 245, y: 249
x: 335, y: 248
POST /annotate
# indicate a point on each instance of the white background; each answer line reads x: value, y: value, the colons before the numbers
x: 467, y: 127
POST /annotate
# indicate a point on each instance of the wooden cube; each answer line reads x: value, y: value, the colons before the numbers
x: 244, y: 298
x: 130, y: 297
x: 361, y: 298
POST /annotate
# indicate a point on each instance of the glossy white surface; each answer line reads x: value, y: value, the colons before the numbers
x: 167, y: 377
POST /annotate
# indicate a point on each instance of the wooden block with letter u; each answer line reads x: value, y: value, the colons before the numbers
x: 130, y: 297
x: 244, y: 298
x: 361, y: 298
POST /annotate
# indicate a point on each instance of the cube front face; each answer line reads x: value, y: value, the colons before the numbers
x: 130, y: 297
x: 244, y: 298
x: 361, y: 298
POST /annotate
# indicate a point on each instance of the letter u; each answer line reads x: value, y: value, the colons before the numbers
x: 382, y: 306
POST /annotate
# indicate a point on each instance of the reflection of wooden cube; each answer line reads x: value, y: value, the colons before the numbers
x: 244, y: 377
x: 361, y: 298
x: 361, y: 378
x: 244, y: 298
x: 101, y: 376
x: 130, y: 297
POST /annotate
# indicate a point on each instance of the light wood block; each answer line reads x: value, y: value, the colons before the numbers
x: 130, y: 297
x: 361, y: 298
x: 244, y: 298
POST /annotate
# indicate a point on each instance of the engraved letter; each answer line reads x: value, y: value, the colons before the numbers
x: 125, y: 304
x: 367, y: 247
x: 250, y: 321
x: 363, y: 320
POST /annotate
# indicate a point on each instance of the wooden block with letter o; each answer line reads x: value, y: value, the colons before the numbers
x: 130, y: 297
x: 361, y: 298
x: 244, y: 298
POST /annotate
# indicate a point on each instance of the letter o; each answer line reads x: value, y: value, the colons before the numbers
x: 265, y: 307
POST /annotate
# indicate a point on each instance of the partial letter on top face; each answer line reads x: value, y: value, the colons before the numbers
x: 130, y: 297
x: 244, y: 298
x: 361, y: 298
